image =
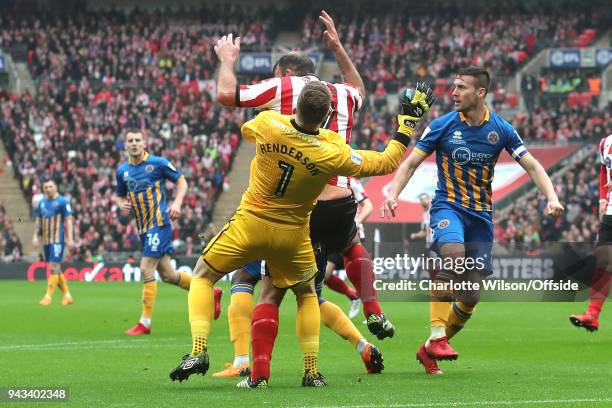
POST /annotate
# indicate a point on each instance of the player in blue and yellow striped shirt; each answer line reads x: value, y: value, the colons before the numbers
x: 53, y: 213
x: 467, y: 143
x: 141, y: 192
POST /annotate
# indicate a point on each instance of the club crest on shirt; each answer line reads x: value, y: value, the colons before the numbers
x: 443, y: 224
x: 493, y: 137
x: 149, y: 168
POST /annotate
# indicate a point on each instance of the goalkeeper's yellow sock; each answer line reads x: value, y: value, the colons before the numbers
x: 308, y: 327
x: 201, y: 310
x: 184, y: 279
x: 239, y: 315
x: 51, y: 284
x: 311, y: 363
x: 457, y: 318
x: 334, y: 318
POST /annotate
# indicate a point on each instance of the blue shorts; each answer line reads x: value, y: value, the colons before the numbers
x: 157, y: 242
x: 54, y: 252
x: 253, y: 269
x: 452, y: 223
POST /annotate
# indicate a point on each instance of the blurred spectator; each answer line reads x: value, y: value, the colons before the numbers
x: 10, y: 245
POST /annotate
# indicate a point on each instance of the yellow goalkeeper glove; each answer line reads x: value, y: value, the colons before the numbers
x: 414, y: 105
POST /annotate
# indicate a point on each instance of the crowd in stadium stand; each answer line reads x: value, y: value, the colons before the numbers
x: 10, y: 244
x: 393, y: 50
x: 93, y: 83
x: 523, y: 226
x: 584, y: 123
x: 575, y: 87
x: 99, y: 72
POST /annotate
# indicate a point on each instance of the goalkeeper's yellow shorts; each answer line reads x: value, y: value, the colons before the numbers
x: 246, y: 238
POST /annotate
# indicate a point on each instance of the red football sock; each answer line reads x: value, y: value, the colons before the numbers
x: 600, y: 287
x: 335, y: 283
x: 263, y: 333
x: 360, y: 272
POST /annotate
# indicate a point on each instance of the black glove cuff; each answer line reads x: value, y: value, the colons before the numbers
x: 402, y: 138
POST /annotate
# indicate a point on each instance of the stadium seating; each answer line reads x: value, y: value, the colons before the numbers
x: 578, y: 190
x: 91, y: 83
x: 396, y: 47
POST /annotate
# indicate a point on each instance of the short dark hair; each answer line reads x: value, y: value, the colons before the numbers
x: 49, y: 179
x: 133, y: 129
x: 482, y: 78
x: 299, y: 63
x: 314, y: 103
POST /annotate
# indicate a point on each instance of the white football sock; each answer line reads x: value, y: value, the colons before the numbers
x: 241, y: 360
x: 361, y: 344
x: 145, y: 321
x: 436, y: 333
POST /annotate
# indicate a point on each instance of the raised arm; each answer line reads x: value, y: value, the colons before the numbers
x: 347, y: 68
x: 228, y: 51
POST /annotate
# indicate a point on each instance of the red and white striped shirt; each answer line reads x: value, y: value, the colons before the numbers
x: 281, y: 95
x: 605, y: 175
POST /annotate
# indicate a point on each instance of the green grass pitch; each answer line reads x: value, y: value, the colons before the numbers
x: 511, y: 354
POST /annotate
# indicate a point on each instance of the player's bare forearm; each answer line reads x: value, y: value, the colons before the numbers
x: 349, y: 71
x: 70, y: 229
x: 539, y: 176
x: 226, y: 84
x: 228, y: 51
x: 181, y: 190
x: 365, y: 211
x: 175, y: 208
x: 119, y: 201
x: 422, y: 233
x: 125, y: 205
x: 404, y: 174
x: 36, y: 235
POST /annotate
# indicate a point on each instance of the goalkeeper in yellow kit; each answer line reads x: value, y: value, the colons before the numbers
x: 294, y: 161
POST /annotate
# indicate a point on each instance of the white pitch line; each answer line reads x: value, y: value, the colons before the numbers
x: 80, y: 344
x: 113, y: 343
x: 469, y: 403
